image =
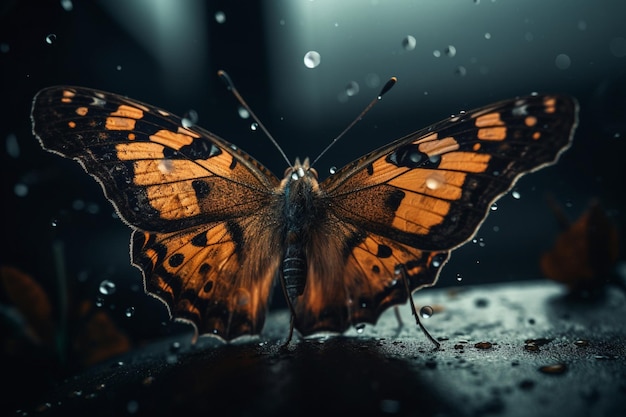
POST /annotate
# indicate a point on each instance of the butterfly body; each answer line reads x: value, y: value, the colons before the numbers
x: 214, y: 230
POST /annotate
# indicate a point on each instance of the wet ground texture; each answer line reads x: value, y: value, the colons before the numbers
x: 506, y: 350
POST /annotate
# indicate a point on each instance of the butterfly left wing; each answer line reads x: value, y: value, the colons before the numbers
x: 406, y: 205
x: 194, y: 201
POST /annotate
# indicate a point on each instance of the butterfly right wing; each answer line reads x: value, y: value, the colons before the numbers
x: 195, y: 203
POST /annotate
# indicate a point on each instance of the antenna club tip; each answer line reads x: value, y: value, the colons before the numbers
x: 392, y: 81
x: 225, y: 78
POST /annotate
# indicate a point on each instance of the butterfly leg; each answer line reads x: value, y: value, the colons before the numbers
x: 414, y: 311
x: 396, y: 311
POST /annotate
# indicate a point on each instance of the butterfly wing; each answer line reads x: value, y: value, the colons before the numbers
x: 194, y: 201
x: 411, y: 202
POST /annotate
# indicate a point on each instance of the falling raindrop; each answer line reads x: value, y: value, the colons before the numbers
x: 130, y: 312
x: 450, y: 51
x: 119, y: 67
x: 332, y: 170
x: 516, y: 195
x: 107, y: 287
x: 494, y: 207
x: 51, y: 38
x: 461, y: 71
x: 426, y: 312
x: 132, y: 407
x: 459, y: 277
x: 67, y: 5
x: 360, y: 328
x: 312, y: 59
x: 254, y: 126
x: 220, y: 17
x: 352, y: 89
x: 562, y: 61
x: 4, y: 47
x: 437, y: 53
x: 20, y: 189
x: 243, y: 113
x: 408, y: 43
x: 487, y: 35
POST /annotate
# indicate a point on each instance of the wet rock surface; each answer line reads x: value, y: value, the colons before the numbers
x: 522, y: 349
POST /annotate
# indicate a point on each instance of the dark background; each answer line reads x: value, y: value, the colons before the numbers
x: 167, y: 53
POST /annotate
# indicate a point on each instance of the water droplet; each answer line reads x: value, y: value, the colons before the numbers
x: 54, y: 222
x: 494, y: 207
x: 450, y: 51
x: 483, y: 345
x: 459, y: 277
x: 562, y: 61
x: 12, y: 145
x: 352, y: 89
x: 220, y: 17
x: 21, y: 190
x: 436, y: 53
x: 426, y: 312
x: 132, y: 407
x: 254, y: 126
x: 165, y: 166
x: 360, y: 328
x: 190, y: 118
x: 582, y: 25
x: 107, y: 287
x: 435, y: 180
x: 4, y: 47
x: 389, y: 406
x: 51, y: 38
x: 67, y: 5
x: 516, y: 195
x: 243, y: 113
x: 409, y: 43
x: 333, y: 170
x: 555, y: 369
x: 119, y: 68
x: 460, y: 71
x: 312, y: 59
x: 487, y: 35
x: 175, y: 346
x: 130, y: 311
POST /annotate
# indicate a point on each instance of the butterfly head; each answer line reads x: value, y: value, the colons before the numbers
x: 301, y: 173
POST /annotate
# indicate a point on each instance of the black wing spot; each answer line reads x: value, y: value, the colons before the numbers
x: 384, y: 251
x: 176, y: 260
x: 202, y: 189
x: 199, y: 240
x: 209, y: 285
x: 394, y: 199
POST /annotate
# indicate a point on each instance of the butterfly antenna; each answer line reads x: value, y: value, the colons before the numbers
x: 392, y: 81
x: 231, y: 87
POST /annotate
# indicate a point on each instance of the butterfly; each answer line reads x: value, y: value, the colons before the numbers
x: 213, y: 229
